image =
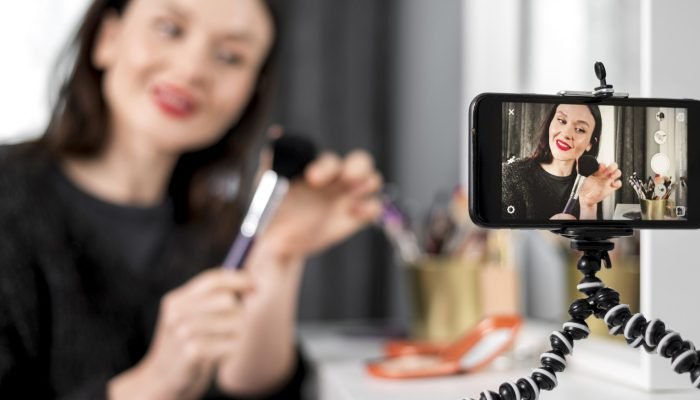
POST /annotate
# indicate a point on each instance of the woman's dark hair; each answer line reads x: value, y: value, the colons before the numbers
x: 78, y: 128
x: 543, y: 154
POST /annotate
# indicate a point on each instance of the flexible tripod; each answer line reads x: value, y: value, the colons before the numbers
x: 603, y: 303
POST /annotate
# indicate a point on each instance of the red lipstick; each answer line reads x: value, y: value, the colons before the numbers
x: 563, y: 146
x: 173, y: 101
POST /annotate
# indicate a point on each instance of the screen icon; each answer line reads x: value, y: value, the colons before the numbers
x: 510, y: 210
x: 511, y: 112
x: 680, y: 211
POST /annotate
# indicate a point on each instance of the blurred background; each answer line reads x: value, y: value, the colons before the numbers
x: 396, y: 77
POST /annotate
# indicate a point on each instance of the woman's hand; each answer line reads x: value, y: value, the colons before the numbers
x: 198, y: 325
x: 562, y: 216
x: 597, y: 187
x: 335, y: 199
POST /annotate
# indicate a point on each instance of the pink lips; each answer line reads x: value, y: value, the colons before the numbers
x: 563, y: 146
x: 173, y: 101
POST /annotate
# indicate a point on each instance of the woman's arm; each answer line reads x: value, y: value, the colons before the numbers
x: 266, y: 354
x: 337, y: 198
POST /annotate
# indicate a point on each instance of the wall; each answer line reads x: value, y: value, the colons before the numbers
x: 669, y: 258
x: 428, y: 99
x: 31, y: 34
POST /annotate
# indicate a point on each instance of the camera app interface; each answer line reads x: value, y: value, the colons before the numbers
x: 594, y: 162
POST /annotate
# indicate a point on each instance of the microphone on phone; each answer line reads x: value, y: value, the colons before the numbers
x: 291, y: 155
x: 587, y: 166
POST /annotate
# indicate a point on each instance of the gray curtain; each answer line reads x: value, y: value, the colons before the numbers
x: 630, y: 148
x: 335, y: 89
x: 522, y: 126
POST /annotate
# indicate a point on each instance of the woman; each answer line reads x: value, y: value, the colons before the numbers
x: 538, y: 187
x: 112, y: 223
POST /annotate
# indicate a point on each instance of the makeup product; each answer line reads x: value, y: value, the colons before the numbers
x: 586, y: 166
x: 670, y: 190
x: 440, y: 226
x: 459, y: 212
x: 475, y: 350
x: 637, y: 187
x: 397, y: 228
x: 291, y: 155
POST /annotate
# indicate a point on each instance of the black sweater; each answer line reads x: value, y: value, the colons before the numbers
x: 72, y: 314
x: 534, y: 194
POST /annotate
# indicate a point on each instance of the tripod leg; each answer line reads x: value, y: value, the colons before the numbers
x: 604, y: 303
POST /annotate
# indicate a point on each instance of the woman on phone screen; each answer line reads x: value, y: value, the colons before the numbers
x: 538, y: 187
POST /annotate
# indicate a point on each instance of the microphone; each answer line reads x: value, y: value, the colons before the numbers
x: 291, y: 155
x: 587, y: 166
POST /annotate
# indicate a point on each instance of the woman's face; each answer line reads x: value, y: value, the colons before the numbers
x: 570, y: 132
x: 178, y: 73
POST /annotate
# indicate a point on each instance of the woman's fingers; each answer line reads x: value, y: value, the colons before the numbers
x: 212, y: 291
x: 601, y: 170
x: 613, y: 174
x: 562, y: 216
x: 207, y: 350
x: 219, y: 279
x: 222, y: 325
x: 609, y: 174
x: 355, y: 171
x: 324, y: 170
x: 357, y: 167
x: 220, y: 302
x: 611, y: 168
x: 372, y: 184
x: 368, y: 210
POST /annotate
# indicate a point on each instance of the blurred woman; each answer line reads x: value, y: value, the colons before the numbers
x: 114, y: 221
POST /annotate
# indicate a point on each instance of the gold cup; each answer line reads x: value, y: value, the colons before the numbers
x: 445, y: 297
x: 653, y: 210
x: 671, y: 208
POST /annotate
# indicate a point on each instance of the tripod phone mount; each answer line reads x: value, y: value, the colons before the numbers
x: 601, y: 302
x: 603, y: 91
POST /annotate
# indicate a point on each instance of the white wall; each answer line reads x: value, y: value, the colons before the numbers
x: 427, y: 107
x: 31, y: 33
x: 670, y: 270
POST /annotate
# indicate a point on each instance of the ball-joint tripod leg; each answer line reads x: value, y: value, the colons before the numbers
x: 603, y: 303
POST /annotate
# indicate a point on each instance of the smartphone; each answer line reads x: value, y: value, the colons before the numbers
x: 553, y: 161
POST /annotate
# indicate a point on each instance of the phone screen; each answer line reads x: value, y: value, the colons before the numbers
x: 641, y: 151
x: 577, y: 161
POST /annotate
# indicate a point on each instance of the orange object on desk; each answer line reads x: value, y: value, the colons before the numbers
x: 472, y: 352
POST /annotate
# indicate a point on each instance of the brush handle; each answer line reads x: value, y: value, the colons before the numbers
x: 238, y: 252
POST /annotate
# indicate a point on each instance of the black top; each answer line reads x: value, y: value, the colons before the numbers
x: 136, y: 233
x: 81, y: 281
x: 534, y: 193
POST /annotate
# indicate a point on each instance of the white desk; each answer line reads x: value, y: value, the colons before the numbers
x: 621, y: 209
x: 338, y: 361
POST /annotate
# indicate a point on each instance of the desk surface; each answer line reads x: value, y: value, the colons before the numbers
x: 338, y: 360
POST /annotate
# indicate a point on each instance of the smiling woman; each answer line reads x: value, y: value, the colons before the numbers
x: 178, y: 74
x: 538, y: 187
x: 111, y: 226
